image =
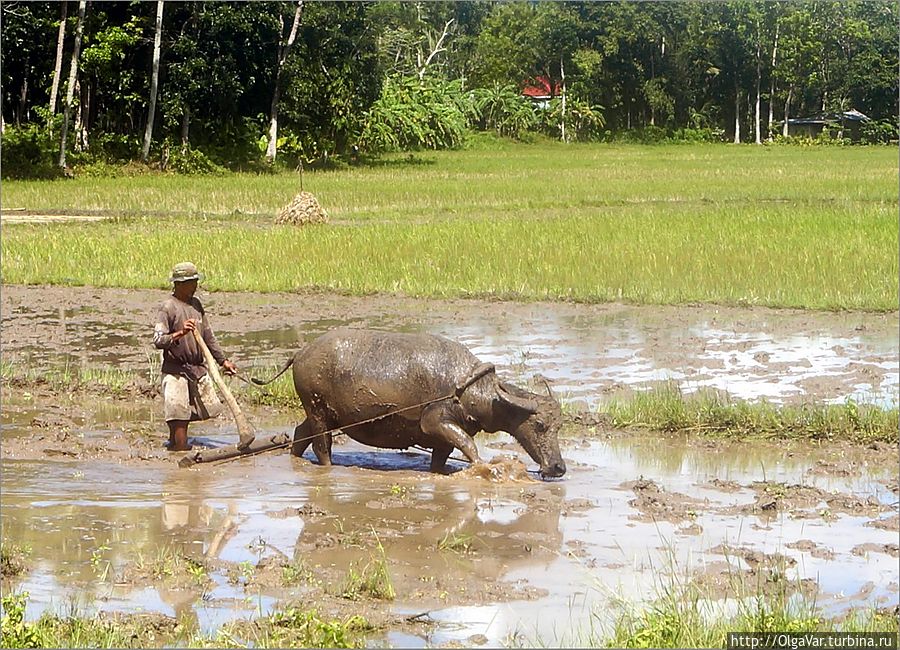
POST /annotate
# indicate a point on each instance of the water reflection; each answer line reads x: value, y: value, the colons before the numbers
x: 579, y: 540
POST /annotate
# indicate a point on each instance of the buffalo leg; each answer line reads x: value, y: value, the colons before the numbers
x: 318, y: 432
x: 435, y: 424
x: 439, y: 456
x: 321, y: 445
x: 302, y: 439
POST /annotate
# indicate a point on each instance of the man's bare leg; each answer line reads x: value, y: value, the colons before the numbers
x: 178, y: 438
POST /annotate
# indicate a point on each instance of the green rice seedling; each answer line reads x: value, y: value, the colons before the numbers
x: 455, y: 542
x: 661, y: 225
x: 306, y: 629
x: 711, y: 413
x: 683, y: 614
x: 163, y: 565
x: 197, y: 570
x: 13, y: 559
x: 459, y: 184
x: 373, y: 579
x: 169, y: 564
x: 68, y: 377
x: 246, y: 570
x: 290, y: 628
x: 100, y: 565
x: 73, y: 630
x: 297, y: 572
x: 768, y: 257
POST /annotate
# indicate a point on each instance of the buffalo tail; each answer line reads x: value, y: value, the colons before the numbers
x: 288, y: 364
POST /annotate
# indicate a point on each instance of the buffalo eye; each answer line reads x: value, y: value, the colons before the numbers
x: 540, y: 426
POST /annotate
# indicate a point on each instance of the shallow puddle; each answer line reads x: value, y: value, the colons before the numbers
x: 540, y: 561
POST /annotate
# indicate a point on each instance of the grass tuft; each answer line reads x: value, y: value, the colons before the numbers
x: 372, y: 580
x: 711, y: 413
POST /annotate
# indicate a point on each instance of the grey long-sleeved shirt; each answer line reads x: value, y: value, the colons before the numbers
x: 183, y: 356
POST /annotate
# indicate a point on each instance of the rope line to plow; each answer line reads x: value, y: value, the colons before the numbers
x: 337, y: 431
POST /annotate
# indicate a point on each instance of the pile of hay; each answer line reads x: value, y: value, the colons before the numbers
x: 302, y: 210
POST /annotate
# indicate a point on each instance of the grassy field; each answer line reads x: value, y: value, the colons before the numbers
x: 809, y: 227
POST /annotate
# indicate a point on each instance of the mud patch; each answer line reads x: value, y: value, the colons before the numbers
x: 766, y: 575
x: 655, y: 504
x: 805, y: 501
x: 726, y: 486
x: 887, y: 523
x: 863, y: 549
x: 809, y: 546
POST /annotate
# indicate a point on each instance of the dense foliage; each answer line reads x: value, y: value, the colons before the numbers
x: 364, y: 77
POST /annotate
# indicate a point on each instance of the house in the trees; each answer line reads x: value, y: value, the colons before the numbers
x: 848, y: 124
x: 540, y: 92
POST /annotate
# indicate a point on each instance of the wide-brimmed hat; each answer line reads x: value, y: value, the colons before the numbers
x: 184, y: 271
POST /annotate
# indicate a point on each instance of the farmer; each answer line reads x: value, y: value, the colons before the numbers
x: 187, y: 389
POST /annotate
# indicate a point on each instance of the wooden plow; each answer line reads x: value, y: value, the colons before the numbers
x: 247, y: 443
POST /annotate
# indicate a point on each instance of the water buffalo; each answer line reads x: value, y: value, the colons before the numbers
x: 347, y: 376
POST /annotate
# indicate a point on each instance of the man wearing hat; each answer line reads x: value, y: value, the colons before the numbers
x: 188, y: 391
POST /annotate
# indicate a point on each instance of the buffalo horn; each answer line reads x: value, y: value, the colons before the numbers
x: 521, y: 402
x: 549, y: 390
x: 547, y: 386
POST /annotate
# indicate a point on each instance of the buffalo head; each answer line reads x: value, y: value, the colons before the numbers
x: 534, y: 421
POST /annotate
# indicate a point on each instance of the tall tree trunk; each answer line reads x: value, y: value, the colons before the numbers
x: 154, y: 82
x: 283, y: 51
x: 81, y: 117
x: 756, y: 117
x: 562, y: 76
x: 652, y: 77
x: 737, y: 114
x: 185, y: 128
x: 73, y: 74
x: 57, y: 70
x: 772, y: 85
x: 787, y: 110
x: 23, y: 97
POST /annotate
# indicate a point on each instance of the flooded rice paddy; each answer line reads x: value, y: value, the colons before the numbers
x: 473, y: 558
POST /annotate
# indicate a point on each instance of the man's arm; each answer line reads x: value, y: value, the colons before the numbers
x: 163, y: 337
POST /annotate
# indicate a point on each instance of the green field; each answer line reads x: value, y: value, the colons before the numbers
x: 808, y: 227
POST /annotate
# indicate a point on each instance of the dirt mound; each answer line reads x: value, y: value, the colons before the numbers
x: 809, y: 546
x: 864, y: 549
x: 807, y: 501
x: 304, y: 209
x: 655, y: 504
x: 499, y: 469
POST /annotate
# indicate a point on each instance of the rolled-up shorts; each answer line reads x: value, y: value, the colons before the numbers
x: 177, y: 398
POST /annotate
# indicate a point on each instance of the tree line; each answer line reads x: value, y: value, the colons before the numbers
x: 196, y: 85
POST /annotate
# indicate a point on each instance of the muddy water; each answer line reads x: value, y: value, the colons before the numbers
x: 589, y: 352
x: 480, y: 560
x: 542, y: 560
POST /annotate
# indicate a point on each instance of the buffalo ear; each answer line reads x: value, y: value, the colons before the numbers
x: 524, y: 403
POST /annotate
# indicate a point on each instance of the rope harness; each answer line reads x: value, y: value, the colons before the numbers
x: 479, y: 372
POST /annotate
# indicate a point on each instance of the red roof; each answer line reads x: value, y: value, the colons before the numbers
x: 539, y: 88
